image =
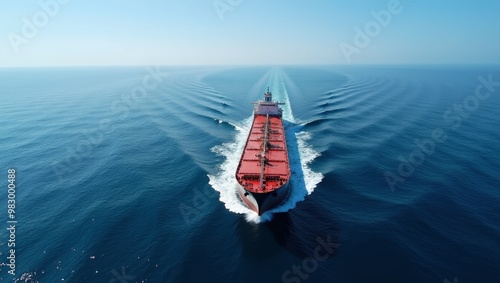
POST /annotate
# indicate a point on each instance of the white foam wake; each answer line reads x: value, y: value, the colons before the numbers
x: 301, y: 154
x: 225, y: 182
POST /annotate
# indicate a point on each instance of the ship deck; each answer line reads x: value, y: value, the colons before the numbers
x: 276, y: 166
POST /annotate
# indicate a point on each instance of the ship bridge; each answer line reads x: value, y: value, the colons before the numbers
x: 268, y: 106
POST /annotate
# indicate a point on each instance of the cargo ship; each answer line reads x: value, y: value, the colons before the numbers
x: 263, y: 172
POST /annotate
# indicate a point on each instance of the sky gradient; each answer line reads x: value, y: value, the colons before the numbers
x: 244, y: 32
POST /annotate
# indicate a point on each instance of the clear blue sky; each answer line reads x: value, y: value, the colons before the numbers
x: 126, y: 32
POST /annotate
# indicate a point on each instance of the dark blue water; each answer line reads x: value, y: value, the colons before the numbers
x: 126, y: 174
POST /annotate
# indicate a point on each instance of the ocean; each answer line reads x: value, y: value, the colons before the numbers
x: 126, y: 174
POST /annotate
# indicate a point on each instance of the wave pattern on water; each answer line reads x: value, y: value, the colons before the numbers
x: 142, y: 198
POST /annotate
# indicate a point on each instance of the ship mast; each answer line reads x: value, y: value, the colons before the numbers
x: 268, y: 97
x: 264, y: 151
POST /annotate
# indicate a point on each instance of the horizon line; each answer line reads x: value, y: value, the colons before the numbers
x: 252, y: 65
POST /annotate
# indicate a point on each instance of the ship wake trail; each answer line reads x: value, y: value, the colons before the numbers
x: 301, y: 155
